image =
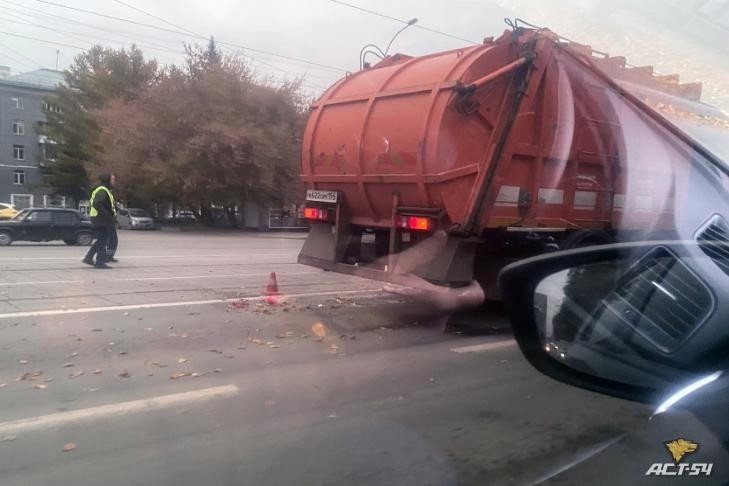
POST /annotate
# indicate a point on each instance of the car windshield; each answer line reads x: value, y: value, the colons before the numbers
x: 20, y: 215
x: 294, y: 223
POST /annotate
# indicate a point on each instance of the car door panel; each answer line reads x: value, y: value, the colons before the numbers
x: 65, y: 224
x: 38, y: 225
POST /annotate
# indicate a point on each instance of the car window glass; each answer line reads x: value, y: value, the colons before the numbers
x: 138, y: 213
x: 39, y: 216
x: 65, y: 217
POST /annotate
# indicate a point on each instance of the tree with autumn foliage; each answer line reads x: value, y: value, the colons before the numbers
x: 210, y: 133
x: 96, y: 77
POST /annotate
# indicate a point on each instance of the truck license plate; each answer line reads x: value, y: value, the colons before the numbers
x: 321, y: 196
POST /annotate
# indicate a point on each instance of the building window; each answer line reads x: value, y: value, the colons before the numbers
x: 51, y: 107
x: 19, y: 128
x: 19, y: 177
x: 49, y: 151
x: 17, y: 102
x: 19, y: 152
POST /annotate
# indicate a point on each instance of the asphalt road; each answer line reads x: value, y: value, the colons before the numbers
x: 156, y: 372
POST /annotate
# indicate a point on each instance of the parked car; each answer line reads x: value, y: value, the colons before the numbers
x: 47, y: 224
x: 134, y: 218
x: 7, y: 211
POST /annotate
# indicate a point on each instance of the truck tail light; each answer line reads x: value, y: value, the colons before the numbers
x: 316, y: 213
x: 413, y: 223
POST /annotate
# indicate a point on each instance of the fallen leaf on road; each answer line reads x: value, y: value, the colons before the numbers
x: 333, y: 347
x: 40, y: 386
x: 240, y: 347
x: 126, y: 314
x: 111, y: 343
x: 182, y: 360
x: 320, y: 330
x: 124, y: 374
x: 179, y: 374
x: 72, y: 355
x: 23, y: 361
x: 48, y: 380
x: 257, y: 341
x: 229, y: 356
x: 217, y: 370
x: 76, y: 374
x: 96, y: 372
x: 184, y: 335
x: 215, y: 351
x: 8, y: 438
x: 331, y: 415
x: 273, y: 346
x: 3, y: 385
x: 196, y: 374
x: 432, y: 380
x: 68, y: 447
x: 97, y: 329
x: 30, y: 375
x: 147, y: 328
x: 123, y: 353
x: 67, y: 365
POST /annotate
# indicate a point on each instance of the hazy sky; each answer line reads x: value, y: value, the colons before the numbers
x: 332, y: 34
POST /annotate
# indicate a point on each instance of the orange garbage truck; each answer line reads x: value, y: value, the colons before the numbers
x: 510, y: 148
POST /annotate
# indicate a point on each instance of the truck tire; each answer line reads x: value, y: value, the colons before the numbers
x: 84, y: 238
x: 5, y: 238
x: 587, y: 237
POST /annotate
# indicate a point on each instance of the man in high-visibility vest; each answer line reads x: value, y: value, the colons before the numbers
x: 102, y: 211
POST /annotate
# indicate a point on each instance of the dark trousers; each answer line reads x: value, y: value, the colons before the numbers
x: 112, y: 243
x: 99, y: 246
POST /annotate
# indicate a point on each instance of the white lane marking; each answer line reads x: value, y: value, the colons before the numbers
x: 136, y: 279
x: 33, y: 259
x: 115, y: 409
x: 480, y: 348
x: 156, y: 305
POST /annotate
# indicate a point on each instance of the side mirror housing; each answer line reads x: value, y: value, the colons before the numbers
x: 631, y: 320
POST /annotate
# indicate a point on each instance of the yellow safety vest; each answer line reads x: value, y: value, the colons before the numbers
x: 92, y: 210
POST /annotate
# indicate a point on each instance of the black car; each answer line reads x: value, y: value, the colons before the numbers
x: 47, y: 224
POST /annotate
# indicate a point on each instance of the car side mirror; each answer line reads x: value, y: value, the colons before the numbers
x: 631, y: 320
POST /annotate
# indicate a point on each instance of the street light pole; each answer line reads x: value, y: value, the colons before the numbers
x: 412, y: 21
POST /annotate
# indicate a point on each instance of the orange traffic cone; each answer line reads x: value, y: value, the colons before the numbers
x: 272, y: 287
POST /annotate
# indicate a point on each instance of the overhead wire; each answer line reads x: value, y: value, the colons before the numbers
x: 180, y: 32
x: 13, y: 53
x: 36, y: 13
x: 43, y: 40
x: 106, y: 39
x: 253, y: 60
x: 402, y: 21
